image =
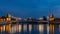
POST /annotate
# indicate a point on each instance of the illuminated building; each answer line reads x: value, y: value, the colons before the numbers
x: 51, y: 17
x: 5, y: 19
x: 8, y: 17
x: 2, y: 19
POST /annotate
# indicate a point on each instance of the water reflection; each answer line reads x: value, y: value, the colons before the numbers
x: 19, y: 28
x: 47, y: 29
x: 41, y: 27
x: 13, y: 29
x: 59, y: 27
x: 25, y: 27
x: 51, y: 29
x: 30, y: 29
x: 3, y: 27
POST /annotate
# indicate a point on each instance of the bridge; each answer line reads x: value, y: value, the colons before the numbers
x: 28, y: 21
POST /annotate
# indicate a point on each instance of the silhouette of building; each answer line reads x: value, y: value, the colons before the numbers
x: 44, y: 18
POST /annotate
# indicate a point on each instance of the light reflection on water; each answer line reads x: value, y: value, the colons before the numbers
x: 29, y: 29
x: 47, y: 29
x: 19, y: 28
x: 25, y: 27
x: 41, y: 28
x: 59, y: 27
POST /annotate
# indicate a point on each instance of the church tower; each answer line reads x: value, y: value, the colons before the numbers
x: 51, y: 17
x: 8, y: 17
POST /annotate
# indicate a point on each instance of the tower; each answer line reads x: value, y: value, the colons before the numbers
x: 51, y: 17
x: 8, y: 17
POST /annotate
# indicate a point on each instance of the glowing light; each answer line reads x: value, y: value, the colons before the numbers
x: 25, y: 27
x: 41, y: 28
x: 47, y: 29
x: 8, y: 19
x: 3, y: 27
x: 30, y: 27
x: 59, y: 27
x: 19, y: 28
x: 8, y: 27
x: 13, y: 29
x: 51, y: 28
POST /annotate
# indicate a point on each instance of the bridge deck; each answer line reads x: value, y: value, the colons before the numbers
x: 29, y: 22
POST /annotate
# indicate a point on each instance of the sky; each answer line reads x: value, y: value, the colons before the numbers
x: 30, y: 8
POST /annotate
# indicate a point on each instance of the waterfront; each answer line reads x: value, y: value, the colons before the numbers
x: 29, y: 29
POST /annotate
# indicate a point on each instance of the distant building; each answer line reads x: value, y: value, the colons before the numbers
x: 8, y: 18
x: 39, y: 19
x: 29, y: 19
x: 5, y: 19
x: 51, y: 17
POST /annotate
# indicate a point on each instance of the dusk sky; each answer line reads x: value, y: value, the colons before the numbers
x: 30, y: 8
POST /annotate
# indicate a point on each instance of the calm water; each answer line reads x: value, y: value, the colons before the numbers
x: 30, y: 29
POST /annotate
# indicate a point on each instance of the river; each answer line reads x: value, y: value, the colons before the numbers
x: 30, y: 29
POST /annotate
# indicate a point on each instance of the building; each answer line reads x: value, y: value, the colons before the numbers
x: 51, y: 17
x: 8, y: 18
x: 5, y: 19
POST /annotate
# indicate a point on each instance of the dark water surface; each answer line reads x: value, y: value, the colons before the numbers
x: 30, y: 29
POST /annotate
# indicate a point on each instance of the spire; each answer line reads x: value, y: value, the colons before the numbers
x: 8, y: 15
x: 51, y: 17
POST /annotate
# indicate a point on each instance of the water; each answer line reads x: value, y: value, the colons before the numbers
x: 30, y: 29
